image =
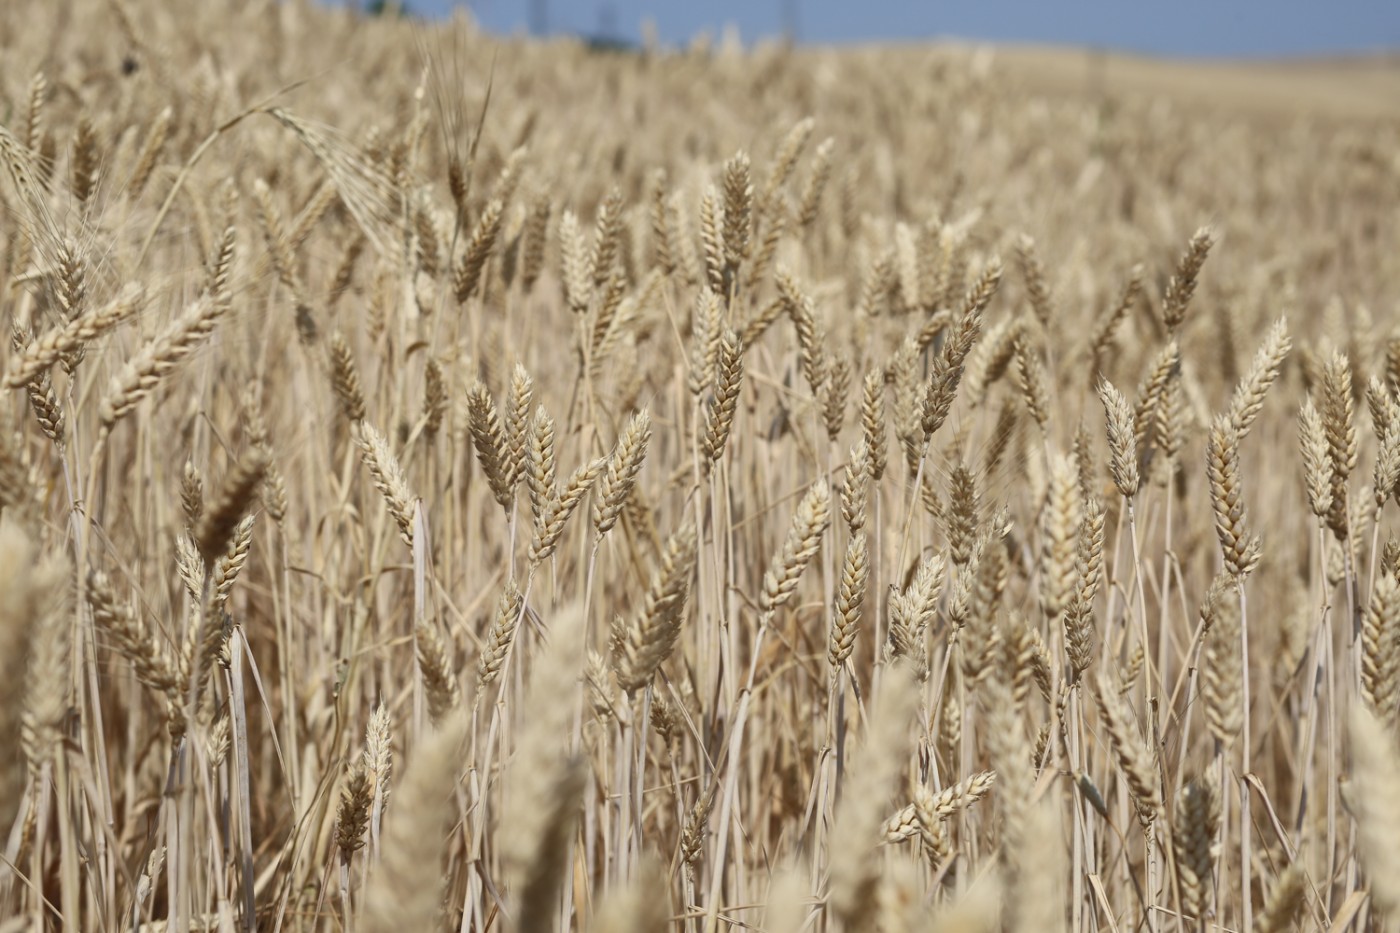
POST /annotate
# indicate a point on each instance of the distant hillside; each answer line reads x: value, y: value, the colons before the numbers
x: 1362, y: 86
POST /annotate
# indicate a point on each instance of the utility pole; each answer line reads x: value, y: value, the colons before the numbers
x: 788, y: 15
x: 539, y: 17
x: 607, y: 21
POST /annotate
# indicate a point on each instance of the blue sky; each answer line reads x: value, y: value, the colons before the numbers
x: 1181, y: 27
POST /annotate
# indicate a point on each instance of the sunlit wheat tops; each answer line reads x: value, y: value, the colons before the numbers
x: 66, y: 338
x: 1133, y: 755
x: 35, y: 658
x: 1375, y: 800
x: 463, y: 481
x: 616, y: 483
x: 1122, y: 445
x: 490, y: 443
x: 850, y: 594
x: 719, y: 414
x: 801, y: 544
x: 1222, y: 674
x: 559, y: 506
x: 1380, y: 650
x: 219, y: 519
x: 1240, y: 548
x: 1182, y: 286
x: 439, y: 675
x: 144, y: 372
x: 640, y: 645
x: 1193, y: 840
x: 1340, y: 433
x: 387, y: 476
x: 402, y: 891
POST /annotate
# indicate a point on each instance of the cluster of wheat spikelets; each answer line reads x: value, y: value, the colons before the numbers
x: 450, y: 482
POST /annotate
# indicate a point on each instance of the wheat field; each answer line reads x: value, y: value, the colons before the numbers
x: 451, y: 481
